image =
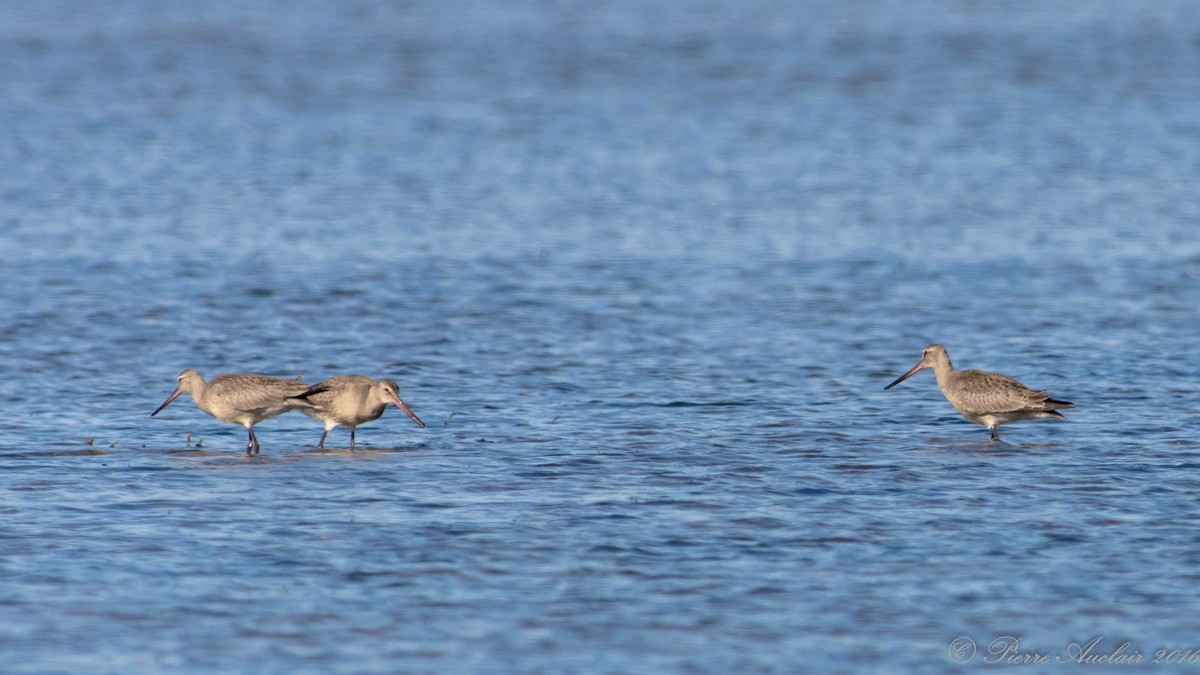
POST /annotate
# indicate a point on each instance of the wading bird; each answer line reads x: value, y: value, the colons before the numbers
x: 351, y: 400
x: 240, y: 399
x: 990, y: 399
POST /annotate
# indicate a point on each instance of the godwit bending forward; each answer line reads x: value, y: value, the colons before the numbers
x: 990, y: 399
x: 350, y: 400
x: 240, y: 399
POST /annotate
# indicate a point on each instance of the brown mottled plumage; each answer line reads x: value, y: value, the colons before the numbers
x: 240, y: 399
x: 350, y: 400
x: 990, y: 399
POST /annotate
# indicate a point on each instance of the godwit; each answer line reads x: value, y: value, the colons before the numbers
x: 240, y: 399
x: 990, y: 399
x: 350, y: 400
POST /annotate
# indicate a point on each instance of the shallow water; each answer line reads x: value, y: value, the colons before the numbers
x: 644, y: 270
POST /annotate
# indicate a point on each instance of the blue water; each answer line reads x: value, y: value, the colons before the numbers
x: 644, y: 268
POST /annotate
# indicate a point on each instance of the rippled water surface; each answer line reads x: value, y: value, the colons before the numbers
x: 644, y: 268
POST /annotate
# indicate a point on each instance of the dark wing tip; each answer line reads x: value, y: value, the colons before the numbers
x: 312, y: 391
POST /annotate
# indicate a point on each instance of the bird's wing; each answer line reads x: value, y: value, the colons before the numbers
x: 980, y: 393
x: 250, y: 393
x: 324, y: 392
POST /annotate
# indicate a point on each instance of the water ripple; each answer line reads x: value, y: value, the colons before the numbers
x: 644, y: 268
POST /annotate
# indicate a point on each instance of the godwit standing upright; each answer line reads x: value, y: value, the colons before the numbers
x: 990, y: 399
x: 350, y: 400
x: 240, y: 399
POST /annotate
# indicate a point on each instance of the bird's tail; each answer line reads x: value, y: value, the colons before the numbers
x: 301, y: 399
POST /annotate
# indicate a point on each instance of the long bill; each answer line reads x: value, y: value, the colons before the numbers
x: 167, y: 402
x: 403, y: 406
x: 907, y: 375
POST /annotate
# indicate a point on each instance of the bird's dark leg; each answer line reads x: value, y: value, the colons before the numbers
x: 995, y: 434
x: 250, y: 440
x: 351, y: 438
x: 254, y: 441
x: 321, y: 443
